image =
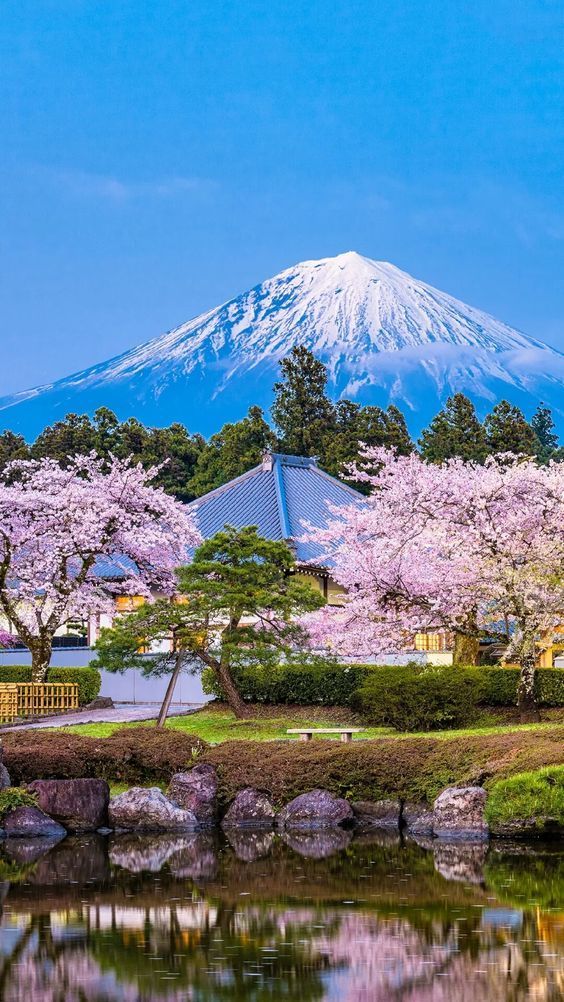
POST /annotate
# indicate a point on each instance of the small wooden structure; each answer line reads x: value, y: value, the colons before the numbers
x: 30, y: 699
x: 306, y: 733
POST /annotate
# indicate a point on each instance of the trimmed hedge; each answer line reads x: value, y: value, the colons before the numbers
x: 335, y: 685
x: 88, y: 679
x: 129, y: 755
x: 414, y: 769
x: 425, y: 699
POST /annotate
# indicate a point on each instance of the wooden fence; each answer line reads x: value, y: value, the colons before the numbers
x: 28, y: 699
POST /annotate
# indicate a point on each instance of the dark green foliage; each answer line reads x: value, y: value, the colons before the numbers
x: 409, y: 768
x: 534, y: 796
x: 302, y: 411
x: 232, y: 451
x: 12, y: 446
x: 419, y: 699
x: 543, y: 426
x: 104, y: 434
x: 12, y: 797
x: 507, y: 431
x: 88, y: 678
x: 310, y: 682
x: 130, y: 755
x: 354, y: 424
x: 454, y: 431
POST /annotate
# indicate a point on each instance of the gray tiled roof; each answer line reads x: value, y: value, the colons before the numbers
x: 278, y: 496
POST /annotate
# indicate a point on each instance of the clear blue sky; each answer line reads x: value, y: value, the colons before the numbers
x: 160, y: 157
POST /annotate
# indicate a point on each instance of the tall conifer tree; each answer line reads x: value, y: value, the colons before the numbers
x: 302, y: 411
x: 454, y: 432
x: 508, y: 431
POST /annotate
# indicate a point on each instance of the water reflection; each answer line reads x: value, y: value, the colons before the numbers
x: 266, y: 918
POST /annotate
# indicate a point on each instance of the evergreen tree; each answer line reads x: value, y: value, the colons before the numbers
x: 72, y: 436
x: 508, y: 431
x: 12, y: 446
x: 370, y: 425
x: 232, y: 451
x: 543, y: 427
x: 454, y: 431
x: 302, y: 411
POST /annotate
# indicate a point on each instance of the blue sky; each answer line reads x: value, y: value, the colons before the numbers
x: 157, y: 158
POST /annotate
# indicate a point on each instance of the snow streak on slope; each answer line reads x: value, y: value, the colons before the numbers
x: 381, y: 333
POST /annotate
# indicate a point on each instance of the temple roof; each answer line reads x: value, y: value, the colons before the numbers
x: 278, y: 496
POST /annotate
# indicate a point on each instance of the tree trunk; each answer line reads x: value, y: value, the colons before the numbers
x: 163, y: 712
x: 40, y: 650
x: 230, y: 691
x: 466, y: 650
x: 528, y: 709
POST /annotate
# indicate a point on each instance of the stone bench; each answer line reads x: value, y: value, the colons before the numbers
x: 306, y: 733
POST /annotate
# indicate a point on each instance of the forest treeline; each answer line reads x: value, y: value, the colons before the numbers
x: 306, y: 422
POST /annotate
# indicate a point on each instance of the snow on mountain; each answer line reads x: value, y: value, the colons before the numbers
x: 384, y: 336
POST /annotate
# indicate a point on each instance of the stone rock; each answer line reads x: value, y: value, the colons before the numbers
x: 463, y: 862
x: 147, y: 809
x: 249, y: 846
x: 30, y: 822
x: 458, y: 814
x: 4, y: 777
x: 314, y: 810
x: 417, y: 819
x: 196, y: 860
x: 320, y: 844
x: 77, y: 859
x: 196, y: 791
x: 250, y: 809
x: 145, y: 853
x: 377, y: 813
x: 100, y: 703
x: 79, y: 804
x: 534, y: 827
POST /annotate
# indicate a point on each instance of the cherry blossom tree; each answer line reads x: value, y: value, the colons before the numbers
x: 460, y: 546
x: 71, y: 539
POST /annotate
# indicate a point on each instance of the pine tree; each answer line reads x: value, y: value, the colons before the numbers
x: 508, y: 431
x: 369, y: 425
x: 12, y: 446
x: 543, y: 427
x: 302, y: 411
x: 232, y: 451
x: 454, y: 431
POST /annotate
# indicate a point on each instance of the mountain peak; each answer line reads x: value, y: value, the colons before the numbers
x: 384, y: 336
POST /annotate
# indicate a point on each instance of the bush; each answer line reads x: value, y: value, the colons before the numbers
x: 535, y: 796
x: 129, y: 755
x: 88, y: 679
x: 12, y: 797
x: 413, y: 698
x: 335, y: 685
x: 414, y: 769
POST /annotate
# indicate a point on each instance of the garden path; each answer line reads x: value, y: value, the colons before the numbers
x: 123, y: 713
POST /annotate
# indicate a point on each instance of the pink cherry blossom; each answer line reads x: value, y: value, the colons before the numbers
x: 458, y: 546
x: 72, y: 538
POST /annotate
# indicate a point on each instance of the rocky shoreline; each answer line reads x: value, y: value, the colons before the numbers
x: 192, y: 805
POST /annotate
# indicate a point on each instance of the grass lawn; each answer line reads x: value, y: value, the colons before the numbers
x: 216, y: 724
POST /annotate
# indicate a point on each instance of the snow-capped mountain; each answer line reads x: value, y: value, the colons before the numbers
x: 384, y: 336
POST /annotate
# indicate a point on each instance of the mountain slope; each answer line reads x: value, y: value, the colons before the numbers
x: 383, y: 335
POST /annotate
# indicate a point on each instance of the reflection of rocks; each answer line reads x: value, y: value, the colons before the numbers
x: 314, y: 810
x: 186, y: 855
x: 539, y: 826
x: 196, y: 860
x: 377, y: 837
x: 417, y: 819
x: 250, y: 809
x: 377, y: 813
x: 78, y: 804
x: 29, y: 850
x: 196, y: 791
x: 248, y: 845
x: 30, y: 822
x: 461, y: 862
x: 77, y: 859
x: 147, y: 809
x: 459, y: 814
x: 320, y: 844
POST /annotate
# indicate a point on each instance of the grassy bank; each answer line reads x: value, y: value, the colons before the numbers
x: 534, y: 796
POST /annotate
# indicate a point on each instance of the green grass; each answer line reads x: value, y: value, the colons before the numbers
x: 217, y: 724
x: 538, y: 794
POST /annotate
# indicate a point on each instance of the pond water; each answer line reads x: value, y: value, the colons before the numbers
x: 267, y: 918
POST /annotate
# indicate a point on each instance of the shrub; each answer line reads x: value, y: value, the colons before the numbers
x: 407, y: 768
x: 129, y: 755
x: 335, y: 685
x: 12, y: 797
x: 88, y: 679
x: 419, y: 699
